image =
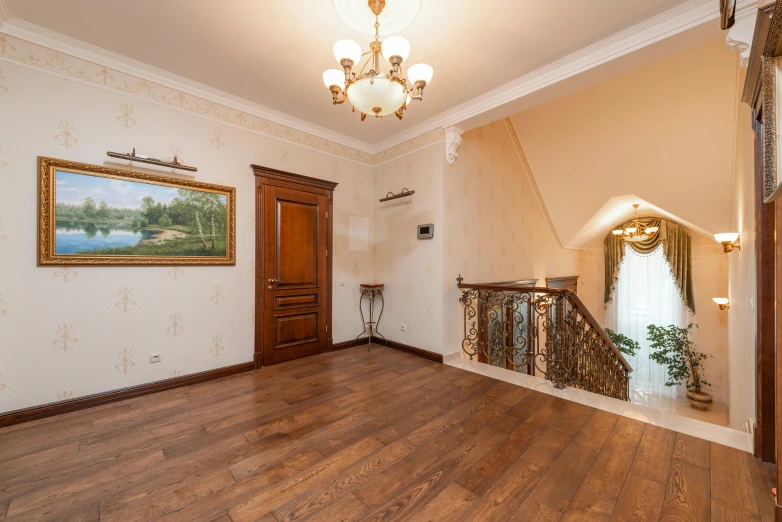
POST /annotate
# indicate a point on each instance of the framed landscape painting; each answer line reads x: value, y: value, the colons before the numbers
x: 93, y: 215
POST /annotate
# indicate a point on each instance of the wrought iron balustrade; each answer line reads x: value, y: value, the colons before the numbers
x: 545, y: 332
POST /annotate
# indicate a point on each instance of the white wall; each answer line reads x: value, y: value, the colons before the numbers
x: 36, y: 304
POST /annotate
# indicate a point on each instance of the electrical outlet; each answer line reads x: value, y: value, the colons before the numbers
x: 155, y: 358
x: 404, y: 327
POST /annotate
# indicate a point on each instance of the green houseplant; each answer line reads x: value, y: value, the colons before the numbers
x: 623, y: 343
x: 672, y: 346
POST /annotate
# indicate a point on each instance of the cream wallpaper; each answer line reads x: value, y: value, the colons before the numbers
x: 742, y: 268
x: 495, y: 230
x: 68, y: 332
x: 710, y: 271
x: 411, y: 269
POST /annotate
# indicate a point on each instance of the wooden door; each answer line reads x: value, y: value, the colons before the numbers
x: 293, y: 285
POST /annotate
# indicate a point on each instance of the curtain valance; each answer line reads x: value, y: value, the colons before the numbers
x: 677, y: 250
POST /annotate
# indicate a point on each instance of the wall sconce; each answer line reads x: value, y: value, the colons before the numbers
x: 729, y: 241
x: 724, y: 302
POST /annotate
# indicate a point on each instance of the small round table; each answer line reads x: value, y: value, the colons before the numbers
x: 370, y: 292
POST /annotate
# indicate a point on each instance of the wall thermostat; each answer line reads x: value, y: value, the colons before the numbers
x: 426, y: 231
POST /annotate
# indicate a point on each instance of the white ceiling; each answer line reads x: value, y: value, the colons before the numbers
x: 273, y: 52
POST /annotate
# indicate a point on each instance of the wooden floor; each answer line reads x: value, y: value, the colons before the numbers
x: 357, y: 436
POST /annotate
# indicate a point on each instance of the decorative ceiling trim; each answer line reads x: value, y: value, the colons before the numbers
x: 665, y: 25
x: 45, y: 38
x: 30, y: 55
x: 309, y: 135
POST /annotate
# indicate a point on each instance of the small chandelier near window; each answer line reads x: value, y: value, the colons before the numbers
x: 634, y: 232
x: 371, y: 91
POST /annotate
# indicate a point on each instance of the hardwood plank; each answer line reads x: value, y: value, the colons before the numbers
x: 653, y: 457
x: 346, y: 508
x: 479, y: 478
x: 281, y: 493
x: 641, y: 499
x: 687, y: 494
x: 170, y: 499
x: 610, y: 470
x: 353, y: 435
x: 693, y: 450
x: 532, y: 509
x: 731, y: 479
x: 588, y: 507
x: 507, y: 493
x: 448, y: 505
x: 405, y: 500
x: 763, y: 477
x: 560, y: 483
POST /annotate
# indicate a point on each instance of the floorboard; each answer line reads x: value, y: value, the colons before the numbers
x: 359, y: 436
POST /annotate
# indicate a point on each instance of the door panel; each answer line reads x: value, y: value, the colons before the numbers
x: 295, y: 329
x: 295, y: 273
x: 297, y: 243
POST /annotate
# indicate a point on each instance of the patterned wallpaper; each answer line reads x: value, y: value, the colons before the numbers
x: 411, y: 268
x: 68, y: 332
x: 494, y: 227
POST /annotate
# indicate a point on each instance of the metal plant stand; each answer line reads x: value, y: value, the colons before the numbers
x: 371, y: 292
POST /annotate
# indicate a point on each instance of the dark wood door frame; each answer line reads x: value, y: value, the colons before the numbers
x: 265, y: 176
x: 765, y: 344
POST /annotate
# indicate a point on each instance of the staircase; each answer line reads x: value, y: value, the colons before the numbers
x: 544, y: 332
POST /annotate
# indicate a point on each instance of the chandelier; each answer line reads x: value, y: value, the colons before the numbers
x: 634, y: 232
x: 371, y: 91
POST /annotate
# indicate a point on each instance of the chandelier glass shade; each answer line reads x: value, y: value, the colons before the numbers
x: 366, y: 87
x: 635, y: 232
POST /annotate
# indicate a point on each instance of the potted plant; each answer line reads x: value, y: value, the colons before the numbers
x: 623, y: 343
x: 672, y: 346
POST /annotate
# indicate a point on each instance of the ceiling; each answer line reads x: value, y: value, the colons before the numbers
x: 273, y: 52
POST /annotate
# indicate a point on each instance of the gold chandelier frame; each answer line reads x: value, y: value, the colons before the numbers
x: 396, y: 74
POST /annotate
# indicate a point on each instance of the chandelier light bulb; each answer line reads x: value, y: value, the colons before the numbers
x: 396, y: 46
x: 334, y: 77
x: 729, y: 237
x: 347, y: 50
x: 420, y: 72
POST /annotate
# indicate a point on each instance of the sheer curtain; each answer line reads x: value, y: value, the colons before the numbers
x: 645, y: 294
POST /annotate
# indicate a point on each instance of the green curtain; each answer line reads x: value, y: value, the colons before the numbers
x: 677, y: 249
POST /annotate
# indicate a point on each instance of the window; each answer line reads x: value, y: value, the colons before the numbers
x: 645, y: 294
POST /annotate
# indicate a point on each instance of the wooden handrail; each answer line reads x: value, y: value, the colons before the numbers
x: 555, y: 291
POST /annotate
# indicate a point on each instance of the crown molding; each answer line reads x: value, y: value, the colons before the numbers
x: 62, y: 43
x: 665, y: 25
x: 672, y: 22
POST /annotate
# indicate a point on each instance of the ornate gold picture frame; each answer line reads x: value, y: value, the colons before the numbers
x: 99, y: 216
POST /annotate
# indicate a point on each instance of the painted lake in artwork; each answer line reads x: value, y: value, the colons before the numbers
x: 95, y: 215
x: 75, y: 240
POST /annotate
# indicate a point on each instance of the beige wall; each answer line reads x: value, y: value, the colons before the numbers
x: 411, y: 268
x: 495, y: 230
x: 742, y: 317
x: 663, y: 132
x: 35, y: 303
